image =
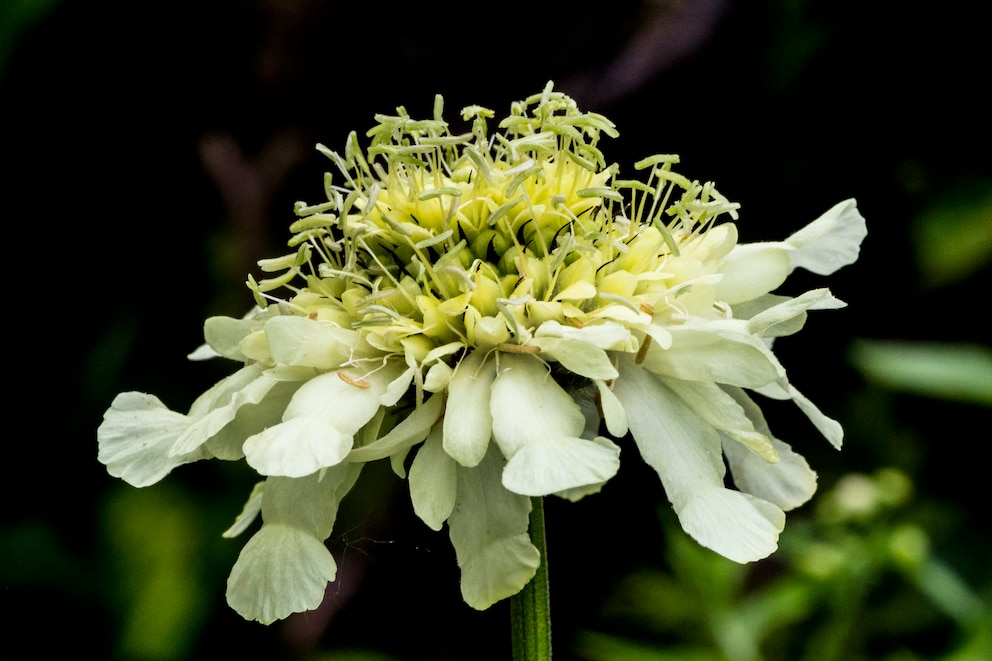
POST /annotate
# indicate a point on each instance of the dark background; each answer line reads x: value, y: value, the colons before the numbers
x: 152, y: 153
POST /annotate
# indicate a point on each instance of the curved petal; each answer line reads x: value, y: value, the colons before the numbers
x: 831, y: 241
x: 685, y: 452
x: 752, y: 270
x: 411, y: 430
x: 787, y: 309
x: 136, y: 436
x: 297, y: 447
x: 528, y: 405
x: 830, y: 428
x: 319, y: 424
x: 225, y: 334
x: 736, y: 525
x: 613, y: 411
x: 433, y: 480
x: 578, y: 357
x: 309, y: 503
x: 559, y: 464
x: 468, y: 423
x: 280, y: 571
x: 705, y: 351
x: 218, y: 406
x: 788, y: 483
x: 303, y: 341
x: 720, y: 410
x: 488, y: 529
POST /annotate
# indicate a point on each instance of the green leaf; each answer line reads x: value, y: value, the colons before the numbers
x: 959, y: 372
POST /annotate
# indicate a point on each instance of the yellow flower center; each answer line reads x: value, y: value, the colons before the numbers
x: 478, y: 240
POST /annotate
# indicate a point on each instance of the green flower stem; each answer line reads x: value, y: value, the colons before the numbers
x: 530, y: 609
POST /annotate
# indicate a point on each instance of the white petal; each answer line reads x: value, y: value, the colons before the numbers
x: 613, y: 411
x: 309, y: 503
x: 225, y: 334
x: 438, y: 377
x: 787, y: 483
x: 557, y: 464
x: 408, y: 432
x: 719, y: 409
x: 830, y: 428
x: 280, y: 571
x: 135, y: 438
x: 319, y: 424
x: 528, y: 405
x: 252, y: 508
x: 297, y: 447
x: 433, y: 479
x: 684, y: 450
x: 686, y: 453
x: 706, y: 352
x: 303, y: 341
x: 578, y: 357
x: 250, y: 419
x: 488, y: 529
x: 752, y: 270
x: 219, y: 405
x: 736, y: 525
x: 468, y: 423
x: 606, y: 335
x: 787, y: 315
x: 831, y: 241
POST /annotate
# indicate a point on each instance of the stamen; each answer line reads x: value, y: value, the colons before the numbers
x: 353, y: 381
x: 643, y: 351
x: 508, y: 347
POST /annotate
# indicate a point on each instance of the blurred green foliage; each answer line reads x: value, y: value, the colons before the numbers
x: 857, y: 580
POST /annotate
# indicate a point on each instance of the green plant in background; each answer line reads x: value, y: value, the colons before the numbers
x: 953, y: 242
x: 857, y: 580
x: 496, y: 314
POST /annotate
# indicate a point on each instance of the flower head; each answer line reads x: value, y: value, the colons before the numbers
x: 506, y: 309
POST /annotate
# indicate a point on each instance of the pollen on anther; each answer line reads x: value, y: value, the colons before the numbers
x: 352, y: 381
x: 508, y: 347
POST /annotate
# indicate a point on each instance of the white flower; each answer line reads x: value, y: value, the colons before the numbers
x: 502, y: 314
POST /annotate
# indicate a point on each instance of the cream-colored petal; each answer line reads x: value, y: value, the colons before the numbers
x: 468, y: 421
x: 736, y: 525
x: 685, y: 452
x: 831, y: 241
x: 577, y: 357
x: 787, y: 483
x: 217, y: 407
x: 613, y: 412
x: 225, y: 334
x: 715, y: 351
x: 528, y: 405
x: 488, y: 529
x: 302, y: 341
x: 411, y: 430
x: 559, y: 463
x: 717, y: 408
x: 250, y: 419
x: 311, y: 502
x: 281, y: 570
x: 752, y: 270
x: 607, y: 335
x: 136, y: 436
x: 297, y: 447
x: 433, y: 481
x: 830, y: 428
x: 251, y: 510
